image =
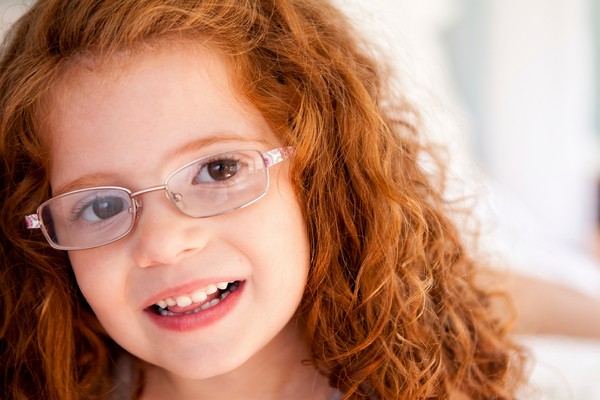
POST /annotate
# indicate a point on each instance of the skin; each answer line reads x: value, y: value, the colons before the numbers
x: 548, y: 308
x: 130, y: 122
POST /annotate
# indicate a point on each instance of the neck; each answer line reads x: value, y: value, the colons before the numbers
x: 275, y: 372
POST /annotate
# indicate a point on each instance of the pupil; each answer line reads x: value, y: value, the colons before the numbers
x: 222, y: 170
x: 107, y: 208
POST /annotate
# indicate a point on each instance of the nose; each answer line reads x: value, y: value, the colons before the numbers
x: 163, y: 235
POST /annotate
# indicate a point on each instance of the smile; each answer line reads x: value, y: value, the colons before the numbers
x: 199, y: 300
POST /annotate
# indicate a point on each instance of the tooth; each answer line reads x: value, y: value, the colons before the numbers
x: 214, y: 302
x: 222, y: 285
x: 162, y: 304
x: 198, y: 296
x: 183, y: 301
x: 210, y: 289
x: 165, y: 313
x: 170, y: 301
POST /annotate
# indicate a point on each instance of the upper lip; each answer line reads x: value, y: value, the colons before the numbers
x: 186, y: 288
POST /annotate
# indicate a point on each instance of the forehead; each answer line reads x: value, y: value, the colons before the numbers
x: 120, y: 112
x: 94, y: 79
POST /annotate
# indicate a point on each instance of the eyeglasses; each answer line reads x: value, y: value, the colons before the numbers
x: 93, y: 217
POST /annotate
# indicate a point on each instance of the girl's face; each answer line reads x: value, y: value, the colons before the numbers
x: 130, y: 123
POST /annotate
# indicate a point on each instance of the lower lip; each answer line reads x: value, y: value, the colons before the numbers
x: 199, y: 320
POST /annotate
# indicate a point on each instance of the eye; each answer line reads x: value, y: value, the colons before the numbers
x: 217, y: 171
x: 102, y: 208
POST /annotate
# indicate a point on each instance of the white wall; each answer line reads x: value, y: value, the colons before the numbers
x: 539, y: 140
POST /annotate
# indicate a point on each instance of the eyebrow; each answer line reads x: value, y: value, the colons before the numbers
x: 95, y: 179
x: 201, y: 143
x: 86, y: 181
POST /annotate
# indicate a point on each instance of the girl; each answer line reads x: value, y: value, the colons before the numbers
x: 301, y: 251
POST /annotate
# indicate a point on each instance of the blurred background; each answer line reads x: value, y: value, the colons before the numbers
x: 512, y: 88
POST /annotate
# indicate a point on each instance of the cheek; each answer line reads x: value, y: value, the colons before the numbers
x: 285, y: 239
x: 273, y: 235
x: 96, y: 276
x: 286, y: 218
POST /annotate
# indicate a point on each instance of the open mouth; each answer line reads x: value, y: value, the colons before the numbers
x: 196, y: 302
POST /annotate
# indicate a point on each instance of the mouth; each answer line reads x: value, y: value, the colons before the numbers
x: 196, y: 301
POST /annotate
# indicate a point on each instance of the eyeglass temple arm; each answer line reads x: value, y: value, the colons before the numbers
x: 32, y: 221
x: 276, y: 156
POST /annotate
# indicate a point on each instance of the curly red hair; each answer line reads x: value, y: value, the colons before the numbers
x: 391, y: 308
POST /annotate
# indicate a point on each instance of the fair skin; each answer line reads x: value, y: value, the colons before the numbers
x: 130, y: 122
x: 544, y: 307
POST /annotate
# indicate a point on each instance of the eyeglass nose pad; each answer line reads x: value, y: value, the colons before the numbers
x: 175, y: 197
x: 137, y: 206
